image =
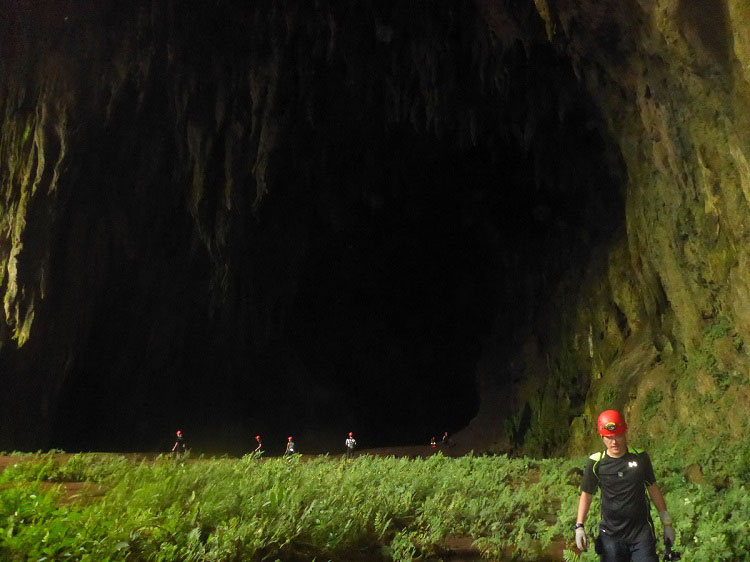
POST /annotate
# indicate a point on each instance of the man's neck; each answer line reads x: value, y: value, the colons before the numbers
x: 624, y: 452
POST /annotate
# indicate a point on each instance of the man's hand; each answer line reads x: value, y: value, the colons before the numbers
x: 669, y: 535
x: 666, y: 521
x: 582, y: 541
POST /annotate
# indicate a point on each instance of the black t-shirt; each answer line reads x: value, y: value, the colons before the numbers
x: 626, y: 512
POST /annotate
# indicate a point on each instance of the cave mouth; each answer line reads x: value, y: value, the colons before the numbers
x: 397, y: 292
x: 444, y: 251
x: 423, y: 250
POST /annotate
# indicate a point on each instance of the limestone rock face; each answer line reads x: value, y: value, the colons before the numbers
x: 671, y: 79
x: 172, y: 179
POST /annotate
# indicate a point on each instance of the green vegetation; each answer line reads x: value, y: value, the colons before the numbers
x: 368, y: 508
x: 609, y: 398
x: 705, y: 358
x: 651, y: 403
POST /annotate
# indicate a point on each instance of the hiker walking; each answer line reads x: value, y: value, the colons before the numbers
x: 433, y: 443
x: 258, y: 450
x: 446, y: 441
x: 289, y: 447
x: 626, y: 531
x: 180, y: 446
x: 350, y: 443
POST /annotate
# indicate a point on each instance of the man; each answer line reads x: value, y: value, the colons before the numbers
x: 289, y: 447
x: 446, y: 441
x: 179, y: 446
x: 626, y: 532
x: 350, y: 444
x: 259, y: 449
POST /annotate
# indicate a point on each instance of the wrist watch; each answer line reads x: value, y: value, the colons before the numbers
x: 579, y: 525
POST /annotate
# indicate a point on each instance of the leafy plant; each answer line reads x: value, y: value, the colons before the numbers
x: 253, y: 509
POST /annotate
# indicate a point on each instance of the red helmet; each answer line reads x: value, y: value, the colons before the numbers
x: 611, y: 423
x: 351, y: 434
x: 290, y: 438
x: 257, y: 437
x: 179, y: 432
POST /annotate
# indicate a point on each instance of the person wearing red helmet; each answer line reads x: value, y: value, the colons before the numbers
x: 350, y: 444
x: 289, y: 447
x: 179, y: 447
x: 258, y: 450
x: 622, y: 473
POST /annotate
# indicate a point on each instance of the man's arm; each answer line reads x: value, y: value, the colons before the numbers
x: 657, y: 497
x: 582, y: 541
x: 584, y: 504
x: 661, y: 505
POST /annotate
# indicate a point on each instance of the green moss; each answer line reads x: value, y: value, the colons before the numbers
x: 704, y: 356
x: 720, y: 328
x: 724, y: 379
x: 651, y: 403
x: 26, y: 132
x: 609, y: 398
x: 24, y: 332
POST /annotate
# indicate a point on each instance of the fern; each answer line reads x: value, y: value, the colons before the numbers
x: 248, y: 509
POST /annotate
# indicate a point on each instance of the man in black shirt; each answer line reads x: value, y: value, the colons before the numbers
x: 179, y: 447
x: 624, y: 474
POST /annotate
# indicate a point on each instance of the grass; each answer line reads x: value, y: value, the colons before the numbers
x: 368, y: 508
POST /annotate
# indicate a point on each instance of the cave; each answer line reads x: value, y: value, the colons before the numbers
x: 395, y: 219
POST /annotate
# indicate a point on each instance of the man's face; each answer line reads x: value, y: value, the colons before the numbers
x: 616, y: 446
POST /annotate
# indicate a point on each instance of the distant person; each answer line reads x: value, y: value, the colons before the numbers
x: 289, y: 447
x: 433, y: 443
x: 350, y: 443
x: 259, y: 449
x: 446, y: 441
x: 180, y: 446
x: 623, y: 474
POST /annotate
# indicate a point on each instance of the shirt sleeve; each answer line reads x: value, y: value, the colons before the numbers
x: 589, y: 482
x: 648, y: 470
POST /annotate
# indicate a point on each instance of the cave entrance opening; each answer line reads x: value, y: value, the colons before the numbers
x: 412, y: 252
x: 428, y: 253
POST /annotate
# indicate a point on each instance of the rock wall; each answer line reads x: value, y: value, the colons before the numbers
x: 658, y: 323
x: 162, y: 169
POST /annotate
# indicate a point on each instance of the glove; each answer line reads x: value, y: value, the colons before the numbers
x: 669, y: 535
x: 666, y: 521
x: 582, y: 541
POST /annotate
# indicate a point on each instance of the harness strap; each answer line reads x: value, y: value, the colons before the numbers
x: 597, y: 458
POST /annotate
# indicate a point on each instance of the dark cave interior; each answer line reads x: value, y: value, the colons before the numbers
x: 383, y: 262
